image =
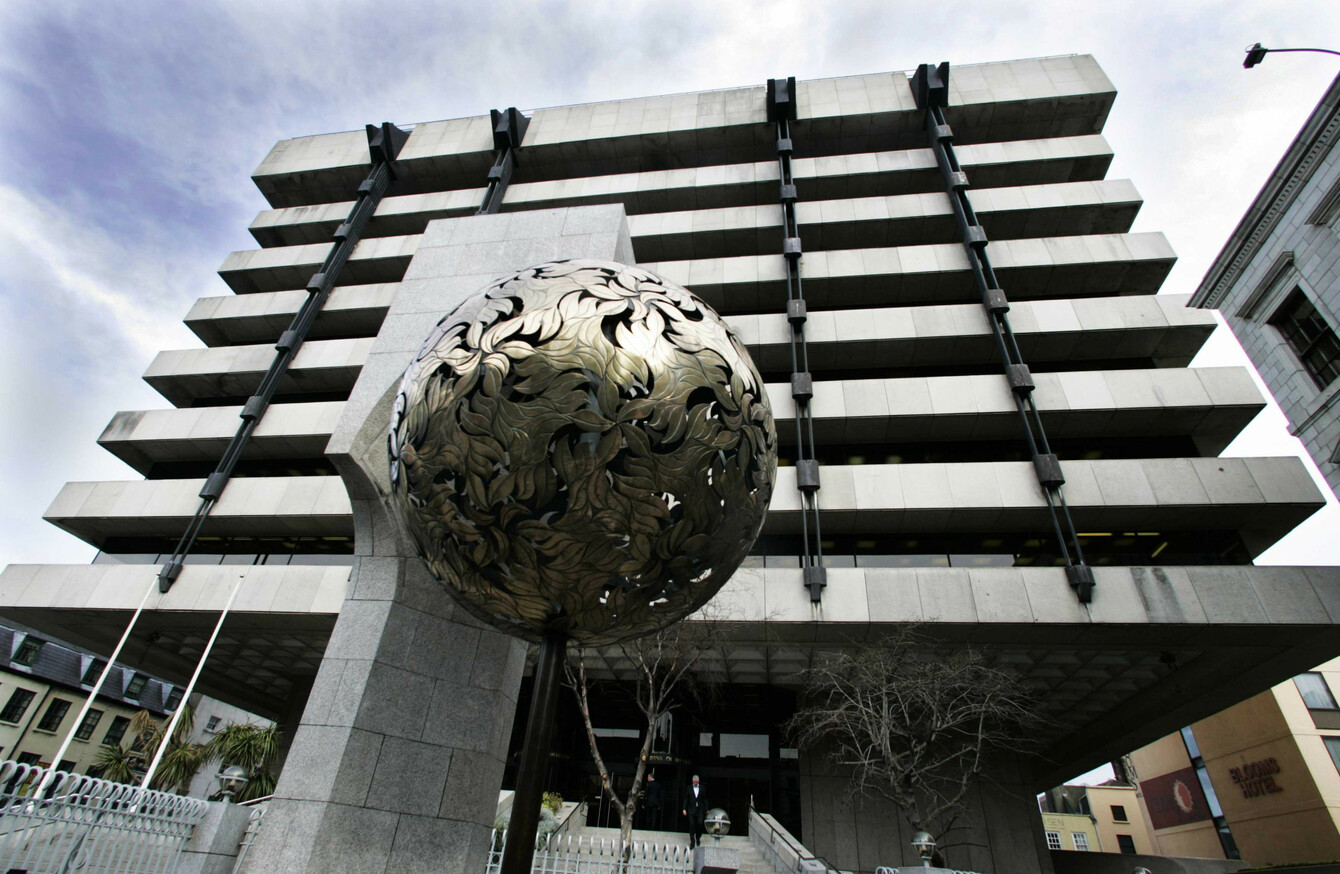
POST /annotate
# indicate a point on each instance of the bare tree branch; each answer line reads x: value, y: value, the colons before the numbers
x: 913, y: 726
x: 668, y: 672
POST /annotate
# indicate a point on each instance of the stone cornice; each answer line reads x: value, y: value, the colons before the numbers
x: 1300, y: 161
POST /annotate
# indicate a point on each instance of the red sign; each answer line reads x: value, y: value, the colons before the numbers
x: 1175, y: 799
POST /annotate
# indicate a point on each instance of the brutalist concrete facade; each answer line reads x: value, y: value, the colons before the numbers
x: 930, y: 501
x: 1283, y: 257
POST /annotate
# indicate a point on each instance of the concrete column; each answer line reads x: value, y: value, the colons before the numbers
x: 212, y: 848
x: 398, y: 759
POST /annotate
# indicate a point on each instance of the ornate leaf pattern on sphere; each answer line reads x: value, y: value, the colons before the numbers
x: 582, y: 447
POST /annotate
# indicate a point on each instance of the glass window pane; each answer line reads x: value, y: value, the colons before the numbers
x: 1190, y: 740
x: 1333, y: 747
x: 1316, y: 694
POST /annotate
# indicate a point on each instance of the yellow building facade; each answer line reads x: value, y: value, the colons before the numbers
x: 36, y: 715
x: 1070, y: 831
x: 1259, y: 779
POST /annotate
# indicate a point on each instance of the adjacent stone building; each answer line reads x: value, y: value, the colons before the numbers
x: 43, y: 686
x: 1277, y: 283
x: 999, y: 438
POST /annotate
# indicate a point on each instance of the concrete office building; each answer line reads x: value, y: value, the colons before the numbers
x: 917, y: 499
x: 1261, y: 779
x: 1277, y: 283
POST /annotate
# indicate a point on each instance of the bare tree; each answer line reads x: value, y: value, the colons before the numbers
x: 668, y: 667
x: 913, y: 725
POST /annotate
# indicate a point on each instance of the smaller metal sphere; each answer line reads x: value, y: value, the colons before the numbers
x: 584, y: 449
x: 717, y: 822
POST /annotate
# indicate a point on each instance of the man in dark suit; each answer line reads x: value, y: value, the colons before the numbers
x: 651, y: 803
x: 695, y: 808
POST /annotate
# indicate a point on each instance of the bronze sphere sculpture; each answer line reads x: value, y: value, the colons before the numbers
x: 584, y: 449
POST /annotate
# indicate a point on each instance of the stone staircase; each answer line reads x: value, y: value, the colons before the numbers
x: 751, y: 860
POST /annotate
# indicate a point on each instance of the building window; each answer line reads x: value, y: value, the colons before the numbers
x: 1211, y: 799
x: 173, y: 699
x: 1309, y: 336
x: 93, y: 671
x: 56, y: 711
x: 1316, y: 694
x: 90, y: 723
x: 1127, y: 844
x: 28, y: 650
x: 17, y: 706
x: 1333, y: 747
x: 1119, y: 813
x: 117, y: 731
x: 213, y: 723
x: 1053, y: 840
x: 1081, y: 841
x: 135, y: 688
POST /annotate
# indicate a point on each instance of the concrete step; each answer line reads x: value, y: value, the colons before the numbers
x: 751, y: 860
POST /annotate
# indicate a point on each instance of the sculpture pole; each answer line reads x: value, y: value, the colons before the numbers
x: 519, y: 851
x: 581, y: 452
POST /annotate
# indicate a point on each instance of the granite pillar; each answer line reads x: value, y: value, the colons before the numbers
x: 398, y: 759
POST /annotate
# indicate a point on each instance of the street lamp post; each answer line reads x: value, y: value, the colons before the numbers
x: 1257, y: 53
x: 924, y: 844
x: 231, y: 781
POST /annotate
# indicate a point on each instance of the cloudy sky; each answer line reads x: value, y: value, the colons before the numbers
x: 130, y: 130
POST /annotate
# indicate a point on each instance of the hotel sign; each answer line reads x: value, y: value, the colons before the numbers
x: 1175, y: 799
x: 1256, y: 778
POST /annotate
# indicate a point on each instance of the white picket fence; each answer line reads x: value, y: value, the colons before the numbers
x: 589, y: 855
x: 77, y: 823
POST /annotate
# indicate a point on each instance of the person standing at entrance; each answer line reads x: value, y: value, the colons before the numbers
x: 695, y: 808
x: 651, y: 803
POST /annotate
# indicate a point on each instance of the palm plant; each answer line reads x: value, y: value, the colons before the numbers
x: 179, y: 765
x: 116, y: 763
x: 255, y: 748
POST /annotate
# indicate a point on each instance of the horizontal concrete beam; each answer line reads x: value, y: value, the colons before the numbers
x: 1151, y: 651
x: 142, y: 438
x: 838, y: 177
x: 1261, y: 498
x: 250, y: 506
x: 1098, y: 264
x: 1158, y: 648
x: 1159, y: 328
x: 183, y: 375
x: 1014, y: 100
x: 378, y: 259
x: 1211, y: 404
x: 268, y: 651
x: 350, y: 311
x: 1071, y: 208
x: 1094, y: 264
x: 833, y: 177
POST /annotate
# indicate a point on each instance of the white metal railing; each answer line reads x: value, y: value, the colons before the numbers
x: 589, y: 855
x: 258, y: 807
x: 80, y: 823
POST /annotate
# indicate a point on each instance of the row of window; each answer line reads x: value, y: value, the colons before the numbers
x: 21, y: 699
x: 1125, y: 843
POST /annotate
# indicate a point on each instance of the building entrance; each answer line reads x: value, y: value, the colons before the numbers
x: 732, y: 739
